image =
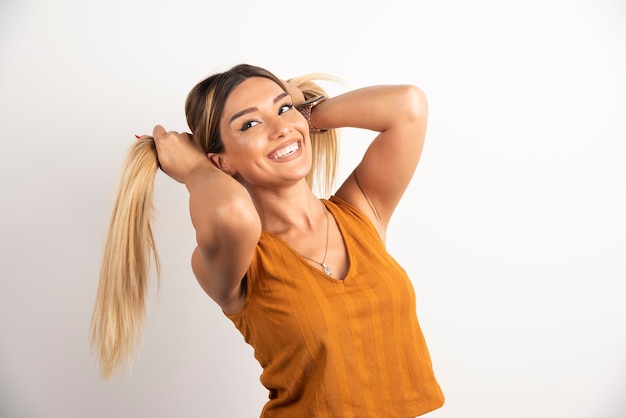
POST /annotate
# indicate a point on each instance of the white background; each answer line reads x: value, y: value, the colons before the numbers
x: 513, y: 230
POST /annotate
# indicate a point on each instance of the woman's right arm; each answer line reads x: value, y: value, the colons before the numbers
x: 227, y: 224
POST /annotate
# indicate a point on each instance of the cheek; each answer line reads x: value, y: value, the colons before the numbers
x: 299, y: 122
x: 245, y: 147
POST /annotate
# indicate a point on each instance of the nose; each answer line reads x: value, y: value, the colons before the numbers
x: 279, y: 128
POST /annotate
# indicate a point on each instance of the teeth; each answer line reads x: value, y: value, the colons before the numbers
x: 285, y: 151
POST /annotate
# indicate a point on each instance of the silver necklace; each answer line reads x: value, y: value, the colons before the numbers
x: 325, y: 268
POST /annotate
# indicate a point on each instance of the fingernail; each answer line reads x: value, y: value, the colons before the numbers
x: 137, y: 136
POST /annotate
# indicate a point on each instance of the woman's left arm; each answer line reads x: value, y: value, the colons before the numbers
x: 399, y: 114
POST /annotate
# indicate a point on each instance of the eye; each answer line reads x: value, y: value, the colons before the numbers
x: 248, y: 124
x: 284, y: 108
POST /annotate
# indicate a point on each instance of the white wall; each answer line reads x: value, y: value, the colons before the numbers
x: 513, y: 229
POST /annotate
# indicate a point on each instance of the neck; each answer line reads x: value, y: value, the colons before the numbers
x: 284, y: 210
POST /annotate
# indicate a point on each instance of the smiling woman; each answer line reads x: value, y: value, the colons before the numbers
x: 308, y: 281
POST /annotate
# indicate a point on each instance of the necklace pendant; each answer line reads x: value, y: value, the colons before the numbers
x: 326, y: 270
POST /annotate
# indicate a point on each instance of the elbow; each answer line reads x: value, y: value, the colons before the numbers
x: 416, y: 104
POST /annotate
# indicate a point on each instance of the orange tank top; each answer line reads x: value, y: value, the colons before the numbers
x: 337, y: 348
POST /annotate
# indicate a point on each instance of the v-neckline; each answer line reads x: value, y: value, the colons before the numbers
x: 303, y: 260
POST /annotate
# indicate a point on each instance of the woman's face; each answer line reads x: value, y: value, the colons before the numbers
x: 266, y: 140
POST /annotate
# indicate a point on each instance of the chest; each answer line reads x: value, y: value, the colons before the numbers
x: 305, y: 306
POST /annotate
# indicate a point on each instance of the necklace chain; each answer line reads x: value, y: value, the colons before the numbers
x: 327, y: 270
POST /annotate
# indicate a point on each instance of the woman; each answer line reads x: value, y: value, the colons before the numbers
x: 307, y: 281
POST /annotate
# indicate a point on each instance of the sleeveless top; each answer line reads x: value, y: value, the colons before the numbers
x: 337, y: 348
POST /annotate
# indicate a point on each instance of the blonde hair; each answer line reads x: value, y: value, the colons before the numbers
x: 119, y: 311
x: 130, y: 250
x: 325, y: 145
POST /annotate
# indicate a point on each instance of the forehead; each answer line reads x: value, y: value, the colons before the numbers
x: 252, y: 92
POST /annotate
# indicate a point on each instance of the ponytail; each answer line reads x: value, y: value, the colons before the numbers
x: 116, y: 324
x: 325, y: 146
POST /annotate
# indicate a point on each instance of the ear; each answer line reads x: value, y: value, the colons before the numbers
x: 221, y: 162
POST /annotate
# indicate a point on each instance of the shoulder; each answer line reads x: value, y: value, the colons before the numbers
x: 353, y: 199
x: 353, y: 217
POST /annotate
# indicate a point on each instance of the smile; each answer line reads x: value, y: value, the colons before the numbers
x: 283, y: 152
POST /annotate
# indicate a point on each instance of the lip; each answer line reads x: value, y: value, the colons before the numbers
x: 288, y: 157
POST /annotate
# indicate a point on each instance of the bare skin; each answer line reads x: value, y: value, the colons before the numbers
x: 252, y: 187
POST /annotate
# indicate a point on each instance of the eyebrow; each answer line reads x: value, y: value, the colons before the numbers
x: 253, y: 109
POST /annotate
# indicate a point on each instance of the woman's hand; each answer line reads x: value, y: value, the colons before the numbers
x: 178, y: 153
x: 296, y: 94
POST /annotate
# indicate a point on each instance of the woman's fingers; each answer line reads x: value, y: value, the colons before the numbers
x: 177, y: 152
x: 158, y: 131
x: 296, y: 94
